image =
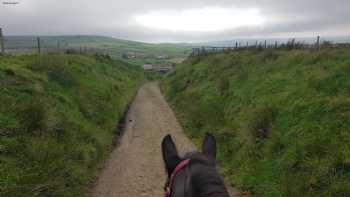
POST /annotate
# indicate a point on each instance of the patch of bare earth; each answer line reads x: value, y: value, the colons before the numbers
x: 135, y: 168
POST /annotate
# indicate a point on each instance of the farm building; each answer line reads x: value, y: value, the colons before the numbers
x: 161, y: 69
x: 148, y: 67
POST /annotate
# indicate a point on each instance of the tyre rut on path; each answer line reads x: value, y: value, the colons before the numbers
x: 135, y: 168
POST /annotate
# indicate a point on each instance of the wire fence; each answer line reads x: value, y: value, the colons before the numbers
x: 25, y: 45
x: 290, y: 44
x: 46, y: 45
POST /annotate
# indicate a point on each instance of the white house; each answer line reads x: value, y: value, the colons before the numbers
x: 147, y: 66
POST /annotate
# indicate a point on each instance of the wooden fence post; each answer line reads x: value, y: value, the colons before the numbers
x: 293, y: 43
x: 2, y: 40
x: 58, y: 45
x: 38, y: 44
x: 318, y: 43
x: 247, y: 44
x: 276, y: 45
x: 265, y: 44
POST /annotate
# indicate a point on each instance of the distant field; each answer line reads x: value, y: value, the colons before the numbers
x: 133, y: 52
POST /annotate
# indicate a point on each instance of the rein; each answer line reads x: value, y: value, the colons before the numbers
x: 182, y: 165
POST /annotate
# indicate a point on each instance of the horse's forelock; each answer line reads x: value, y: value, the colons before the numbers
x: 196, y: 157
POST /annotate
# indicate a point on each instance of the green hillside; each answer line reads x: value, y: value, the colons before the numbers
x: 282, y: 118
x: 117, y: 48
x: 58, y: 117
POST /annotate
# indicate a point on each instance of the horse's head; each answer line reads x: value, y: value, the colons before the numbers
x: 195, y: 174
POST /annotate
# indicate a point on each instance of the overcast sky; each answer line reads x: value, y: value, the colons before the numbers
x: 177, y: 20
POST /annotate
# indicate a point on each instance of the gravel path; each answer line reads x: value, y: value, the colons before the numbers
x: 135, y: 167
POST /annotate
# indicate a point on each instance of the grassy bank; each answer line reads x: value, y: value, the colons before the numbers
x: 282, y: 118
x: 58, y: 116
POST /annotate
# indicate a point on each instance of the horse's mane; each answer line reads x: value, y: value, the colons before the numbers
x: 205, y: 179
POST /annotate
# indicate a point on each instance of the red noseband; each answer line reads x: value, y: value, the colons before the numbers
x: 182, y: 165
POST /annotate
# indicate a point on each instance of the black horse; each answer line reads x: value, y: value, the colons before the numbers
x: 195, y: 174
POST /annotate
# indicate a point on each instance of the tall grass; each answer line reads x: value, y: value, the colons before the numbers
x: 58, y: 117
x: 282, y: 118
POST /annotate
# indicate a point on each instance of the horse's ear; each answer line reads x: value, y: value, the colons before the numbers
x: 170, y: 155
x: 209, y: 148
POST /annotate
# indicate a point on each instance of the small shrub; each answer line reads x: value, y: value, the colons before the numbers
x: 102, y: 57
x: 38, y: 118
x: 194, y: 60
x: 326, y: 43
x: 9, y: 72
x: 56, y: 67
x: 270, y: 55
x: 72, y: 51
x: 223, y: 86
x: 258, y: 125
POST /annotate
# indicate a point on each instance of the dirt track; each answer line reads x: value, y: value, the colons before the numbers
x: 135, y: 168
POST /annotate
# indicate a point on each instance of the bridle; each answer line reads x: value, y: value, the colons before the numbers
x: 180, y: 167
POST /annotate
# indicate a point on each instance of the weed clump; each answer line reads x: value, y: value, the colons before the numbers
x: 259, y: 123
x: 37, y: 117
x: 56, y: 67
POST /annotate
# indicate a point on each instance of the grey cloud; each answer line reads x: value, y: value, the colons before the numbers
x: 114, y: 18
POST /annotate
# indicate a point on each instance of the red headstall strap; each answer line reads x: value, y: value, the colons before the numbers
x: 182, y: 165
